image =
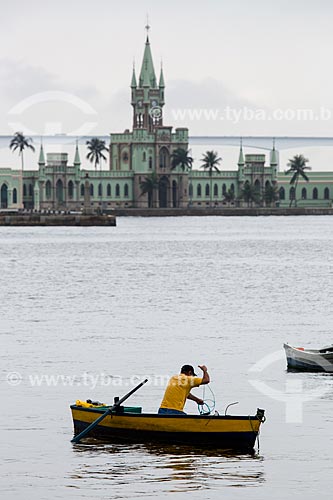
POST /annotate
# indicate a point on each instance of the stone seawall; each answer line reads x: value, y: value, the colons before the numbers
x: 36, y: 219
x: 225, y: 212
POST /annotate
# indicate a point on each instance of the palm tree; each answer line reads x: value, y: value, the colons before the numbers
x: 20, y: 142
x: 181, y: 158
x: 211, y: 160
x: 229, y: 195
x: 96, y: 149
x: 250, y: 194
x: 297, y: 165
x: 148, y: 185
x: 271, y: 194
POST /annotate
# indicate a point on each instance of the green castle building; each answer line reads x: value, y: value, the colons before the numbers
x: 148, y: 147
x: 144, y: 150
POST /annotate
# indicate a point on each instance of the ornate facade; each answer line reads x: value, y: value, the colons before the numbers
x: 149, y: 146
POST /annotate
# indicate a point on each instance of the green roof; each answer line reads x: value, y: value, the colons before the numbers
x: 274, y: 160
x: 77, y: 160
x: 147, y: 74
x: 161, y: 83
x: 133, y: 82
x: 241, y: 157
x: 41, y: 160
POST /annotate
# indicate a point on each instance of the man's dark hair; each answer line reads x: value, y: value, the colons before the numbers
x: 187, y: 369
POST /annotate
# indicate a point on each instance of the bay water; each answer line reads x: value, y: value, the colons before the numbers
x: 90, y: 312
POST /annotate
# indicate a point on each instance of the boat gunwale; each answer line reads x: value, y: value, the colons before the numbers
x: 157, y: 415
x: 315, y: 352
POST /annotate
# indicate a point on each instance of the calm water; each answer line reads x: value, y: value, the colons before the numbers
x: 100, y: 308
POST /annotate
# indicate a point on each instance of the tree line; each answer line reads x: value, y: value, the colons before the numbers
x: 182, y: 160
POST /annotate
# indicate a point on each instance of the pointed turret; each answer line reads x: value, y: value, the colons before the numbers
x: 77, y: 160
x: 274, y: 157
x: 41, y: 161
x: 147, y: 74
x: 161, y: 82
x: 133, y: 82
x: 241, y: 161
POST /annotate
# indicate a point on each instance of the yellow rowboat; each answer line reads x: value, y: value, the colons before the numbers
x: 129, y: 425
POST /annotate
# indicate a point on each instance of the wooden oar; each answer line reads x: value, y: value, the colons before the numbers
x: 86, y: 431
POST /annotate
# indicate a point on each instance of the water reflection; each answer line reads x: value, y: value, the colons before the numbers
x: 167, y: 468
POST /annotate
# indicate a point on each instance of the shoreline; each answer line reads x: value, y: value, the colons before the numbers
x: 110, y: 219
x: 222, y: 212
x: 41, y: 219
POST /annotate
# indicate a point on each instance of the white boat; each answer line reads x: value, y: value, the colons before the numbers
x: 313, y: 360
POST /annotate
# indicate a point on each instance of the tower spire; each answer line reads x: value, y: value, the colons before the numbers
x: 133, y: 82
x: 274, y: 158
x: 41, y: 160
x: 241, y: 161
x: 77, y: 160
x: 147, y: 28
x: 147, y: 74
x: 161, y: 82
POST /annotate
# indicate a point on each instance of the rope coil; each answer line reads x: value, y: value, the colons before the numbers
x: 208, y: 405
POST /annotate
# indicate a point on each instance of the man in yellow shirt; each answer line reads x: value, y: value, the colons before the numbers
x: 178, y: 390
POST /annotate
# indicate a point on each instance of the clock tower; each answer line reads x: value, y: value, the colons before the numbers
x: 145, y: 153
x: 147, y: 96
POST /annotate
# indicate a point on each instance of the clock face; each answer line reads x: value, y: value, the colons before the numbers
x: 154, y: 103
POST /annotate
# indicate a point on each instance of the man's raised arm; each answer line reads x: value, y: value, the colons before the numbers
x: 205, y: 377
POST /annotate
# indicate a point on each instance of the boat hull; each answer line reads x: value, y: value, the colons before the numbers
x: 223, y: 432
x: 312, y: 360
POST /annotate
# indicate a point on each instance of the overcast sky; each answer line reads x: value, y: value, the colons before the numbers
x: 66, y: 65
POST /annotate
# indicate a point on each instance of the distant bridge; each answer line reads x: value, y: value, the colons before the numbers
x: 258, y: 142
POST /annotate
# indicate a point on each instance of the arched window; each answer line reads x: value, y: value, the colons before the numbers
x: 304, y: 194
x: 82, y: 190
x: 31, y: 191
x: 164, y: 158
x: 150, y: 162
x: 100, y: 190
x: 215, y: 190
x: 207, y: 190
x: 199, y: 190
x: 60, y: 191
x: 91, y: 190
x: 108, y: 190
x: 267, y: 184
x: 232, y: 188
x: 224, y: 189
x: 292, y: 193
x: 14, y: 195
x: 48, y: 189
x: 4, y: 196
x: 257, y: 186
x: 282, y: 193
x: 190, y: 189
x: 126, y: 190
x: 70, y: 189
x: 144, y: 156
x: 24, y: 190
x: 326, y: 193
x: 117, y: 190
x: 315, y: 194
